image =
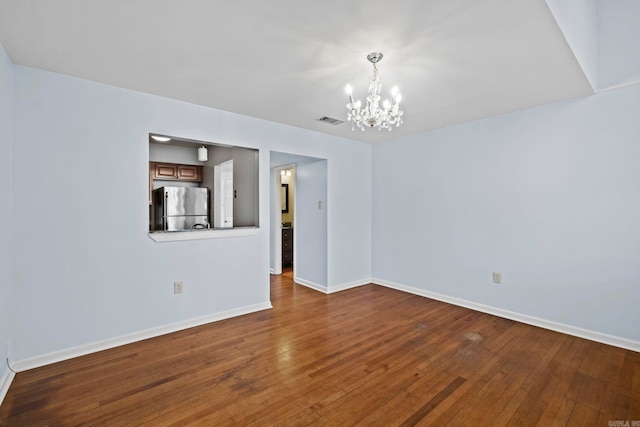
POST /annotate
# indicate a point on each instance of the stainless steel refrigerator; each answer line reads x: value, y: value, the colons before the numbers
x: 180, y: 208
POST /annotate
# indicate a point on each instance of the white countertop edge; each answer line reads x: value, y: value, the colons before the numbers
x: 177, y: 236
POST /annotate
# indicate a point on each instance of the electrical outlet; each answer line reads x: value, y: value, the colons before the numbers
x: 178, y: 287
x: 497, y: 277
x: 319, y: 204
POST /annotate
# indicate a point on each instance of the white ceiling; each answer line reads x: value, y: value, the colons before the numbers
x: 288, y: 61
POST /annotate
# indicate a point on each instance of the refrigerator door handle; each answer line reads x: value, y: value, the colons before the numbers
x: 165, y: 220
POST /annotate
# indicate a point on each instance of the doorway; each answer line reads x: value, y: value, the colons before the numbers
x: 306, y: 219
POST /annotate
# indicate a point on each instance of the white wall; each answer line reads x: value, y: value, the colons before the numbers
x: 168, y: 153
x: 6, y: 297
x: 77, y: 284
x: 348, y: 200
x: 245, y: 187
x: 310, y: 247
x: 618, y: 42
x: 547, y: 196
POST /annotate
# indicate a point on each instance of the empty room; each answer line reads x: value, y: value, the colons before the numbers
x: 338, y: 213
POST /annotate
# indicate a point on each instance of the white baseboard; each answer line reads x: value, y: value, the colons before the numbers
x: 518, y: 317
x: 310, y: 284
x: 70, y: 353
x: 5, y: 382
x: 332, y: 289
x: 349, y: 285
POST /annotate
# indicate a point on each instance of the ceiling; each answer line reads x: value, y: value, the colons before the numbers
x: 288, y: 61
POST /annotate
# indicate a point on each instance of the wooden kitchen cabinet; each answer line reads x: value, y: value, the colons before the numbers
x: 190, y: 173
x: 165, y: 171
x: 174, y: 171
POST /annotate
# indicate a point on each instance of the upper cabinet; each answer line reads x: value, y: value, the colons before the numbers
x: 190, y: 173
x: 174, y: 171
x: 164, y: 170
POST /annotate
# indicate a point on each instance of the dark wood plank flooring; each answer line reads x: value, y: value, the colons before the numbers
x: 366, y: 356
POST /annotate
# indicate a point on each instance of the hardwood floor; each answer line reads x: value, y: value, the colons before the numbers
x: 365, y: 356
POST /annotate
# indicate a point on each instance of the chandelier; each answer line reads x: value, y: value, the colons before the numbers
x: 372, y: 115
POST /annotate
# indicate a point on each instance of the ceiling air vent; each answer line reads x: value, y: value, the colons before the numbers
x: 330, y: 120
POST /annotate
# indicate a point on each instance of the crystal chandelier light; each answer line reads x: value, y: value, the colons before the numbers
x: 372, y: 115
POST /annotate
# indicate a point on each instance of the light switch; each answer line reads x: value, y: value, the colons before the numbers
x: 178, y: 287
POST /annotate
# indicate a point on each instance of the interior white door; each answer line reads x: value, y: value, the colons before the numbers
x: 223, y: 195
x: 227, y: 204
